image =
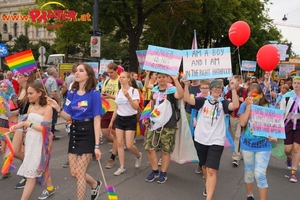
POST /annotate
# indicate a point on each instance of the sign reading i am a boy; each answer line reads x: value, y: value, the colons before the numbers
x: 164, y: 60
x: 248, y: 65
x: 141, y: 55
x: 267, y: 122
x: 207, y: 63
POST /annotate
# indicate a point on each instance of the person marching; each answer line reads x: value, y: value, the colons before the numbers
x: 124, y: 117
x: 83, y: 106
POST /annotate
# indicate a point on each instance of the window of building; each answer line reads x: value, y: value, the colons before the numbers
x: 26, y: 31
x: 39, y: 32
x: 5, y: 28
x: 15, y: 29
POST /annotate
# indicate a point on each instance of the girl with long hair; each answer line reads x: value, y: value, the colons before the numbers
x: 83, y: 107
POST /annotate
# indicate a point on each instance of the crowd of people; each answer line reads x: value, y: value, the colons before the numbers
x: 35, y: 103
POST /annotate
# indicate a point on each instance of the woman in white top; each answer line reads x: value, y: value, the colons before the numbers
x: 124, y: 116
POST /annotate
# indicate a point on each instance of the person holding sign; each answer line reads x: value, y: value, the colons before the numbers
x: 164, y: 136
x: 256, y: 150
x: 270, y: 88
x: 210, y: 130
x: 290, y: 104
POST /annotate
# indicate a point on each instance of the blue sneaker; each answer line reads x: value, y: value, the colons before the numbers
x: 45, y: 194
x: 152, y: 176
x: 289, y: 162
x: 162, y: 178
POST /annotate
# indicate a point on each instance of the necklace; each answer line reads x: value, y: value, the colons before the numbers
x: 36, y: 108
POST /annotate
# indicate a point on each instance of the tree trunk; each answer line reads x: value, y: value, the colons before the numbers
x: 133, y: 46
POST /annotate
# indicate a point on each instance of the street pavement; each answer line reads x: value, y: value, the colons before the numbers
x: 182, y: 184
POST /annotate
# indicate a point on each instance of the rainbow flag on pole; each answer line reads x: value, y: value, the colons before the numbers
x: 21, y: 62
x: 105, y: 105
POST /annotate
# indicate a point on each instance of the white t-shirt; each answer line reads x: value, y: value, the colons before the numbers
x: 210, y: 129
x: 124, y: 107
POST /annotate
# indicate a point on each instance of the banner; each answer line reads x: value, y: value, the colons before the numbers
x: 287, y: 68
x: 141, y: 55
x: 163, y: 60
x: 95, y: 66
x: 207, y: 63
x: 267, y: 122
x: 103, y: 65
x: 248, y: 65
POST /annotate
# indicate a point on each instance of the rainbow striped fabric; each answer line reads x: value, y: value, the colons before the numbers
x: 21, y: 62
x: 9, y: 155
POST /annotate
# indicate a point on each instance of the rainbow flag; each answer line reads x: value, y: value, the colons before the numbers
x: 9, y: 155
x: 146, y: 112
x: 111, y: 192
x: 293, y: 73
x: 21, y: 62
x: 105, y: 105
x: 140, y: 128
x: 250, y: 73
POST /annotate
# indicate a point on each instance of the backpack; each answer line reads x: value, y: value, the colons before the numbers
x: 174, y: 104
x: 194, y: 112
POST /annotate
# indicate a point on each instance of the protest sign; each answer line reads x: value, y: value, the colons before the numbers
x: 103, y: 65
x: 141, y: 55
x: 163, y: 60
x: 267, y: 122
x: 207, y: 63
x: 95, y: 66
x: 286, y: 68
x: 248, y: 65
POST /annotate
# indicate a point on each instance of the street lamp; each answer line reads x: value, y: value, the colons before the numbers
x: 284, y: 18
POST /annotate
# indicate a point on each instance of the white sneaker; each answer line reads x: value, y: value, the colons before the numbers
x: 138, y: 161
x: 159, y: 162
x: 120, y: 171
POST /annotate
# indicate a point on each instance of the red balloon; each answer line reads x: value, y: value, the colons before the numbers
x: 268, y: 57
x: 239, y: 33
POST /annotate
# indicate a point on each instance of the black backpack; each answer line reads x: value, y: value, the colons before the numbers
x: 174, y: 104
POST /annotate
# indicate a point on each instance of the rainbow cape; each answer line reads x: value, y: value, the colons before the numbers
x: 46, y: 153
x: 146, y: 112
x: 3, y: 131
x: 21, y: 62
x: 105, y: 105
x: 9, y: 155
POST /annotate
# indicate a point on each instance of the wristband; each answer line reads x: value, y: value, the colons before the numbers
x: 97, y: 146
x: 31, y: 125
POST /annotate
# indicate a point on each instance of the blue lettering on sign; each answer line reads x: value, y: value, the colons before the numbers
x: 3, y: 50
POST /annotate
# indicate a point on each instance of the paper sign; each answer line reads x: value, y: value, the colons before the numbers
x: 103, y: 65
x: 141, y: 55
x: 286, y: 68
x: 95, y: 66
x: 207, y: 63
x: 164, y: 60
x: 267, y: 122
x: 248, y: 65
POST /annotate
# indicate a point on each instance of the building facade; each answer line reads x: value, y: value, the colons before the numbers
x: 13, y: 22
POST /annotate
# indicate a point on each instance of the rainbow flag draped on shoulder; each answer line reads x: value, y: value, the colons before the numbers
x: 21, y: 62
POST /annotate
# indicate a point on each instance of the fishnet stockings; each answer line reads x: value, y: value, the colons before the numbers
x: 78, y: 166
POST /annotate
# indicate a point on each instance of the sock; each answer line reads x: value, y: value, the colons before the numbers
x: 50, y: 188
x: 156, y: 171
x: 250, y: 195
x: 163, y: 172
x: 112, y: 157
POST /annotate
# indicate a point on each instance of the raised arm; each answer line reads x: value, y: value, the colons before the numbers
x: 186, y: 96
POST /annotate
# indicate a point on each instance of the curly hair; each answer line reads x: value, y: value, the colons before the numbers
x: 38, y: 87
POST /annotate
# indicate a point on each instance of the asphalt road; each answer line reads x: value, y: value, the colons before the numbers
x: 182, y: 184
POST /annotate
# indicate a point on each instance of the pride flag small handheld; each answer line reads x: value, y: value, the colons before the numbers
x: 111, y: 192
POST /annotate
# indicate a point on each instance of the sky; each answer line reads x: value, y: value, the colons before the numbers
x: 292, y: 10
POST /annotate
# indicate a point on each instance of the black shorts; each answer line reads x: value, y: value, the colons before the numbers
x: 291, y: 135
x: 126, y: 123
x: 210, y: 156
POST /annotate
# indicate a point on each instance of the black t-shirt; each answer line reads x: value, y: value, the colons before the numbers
x: 193, y: 90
